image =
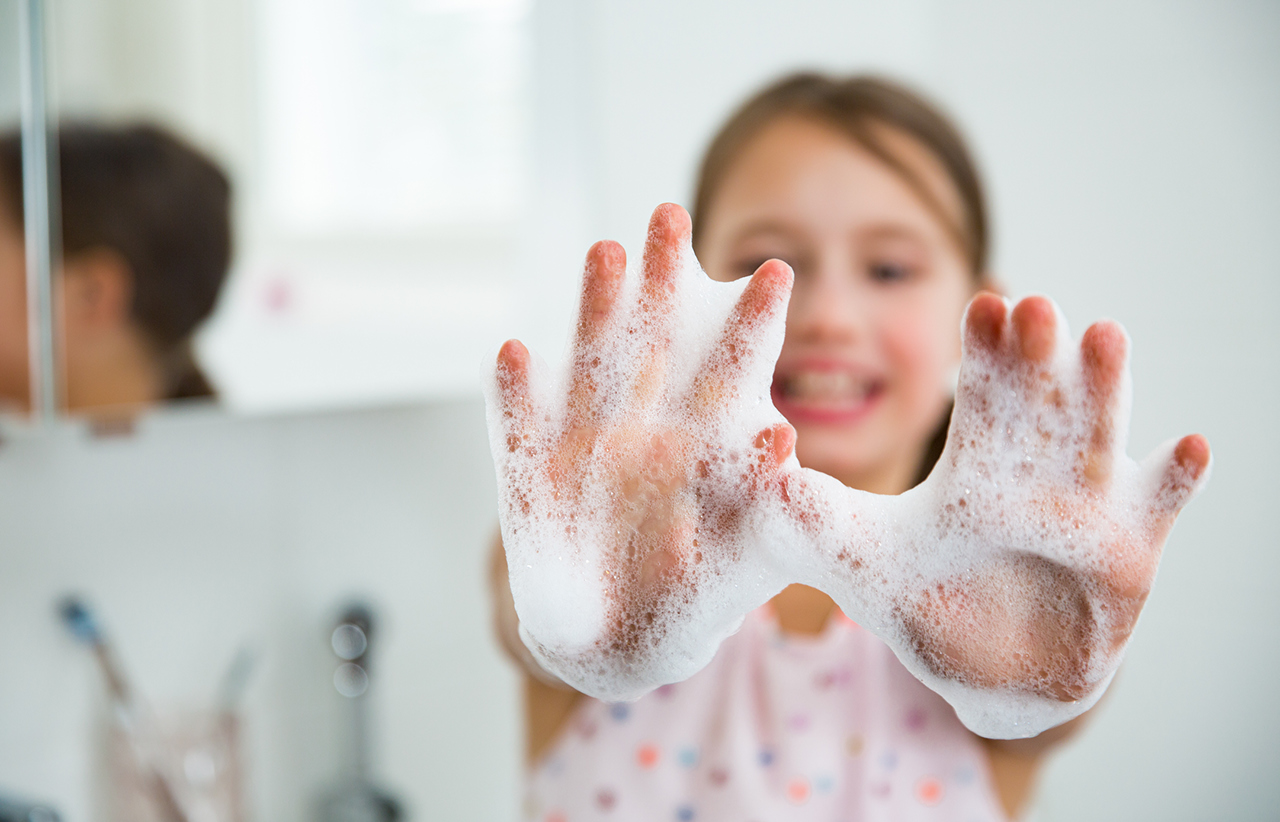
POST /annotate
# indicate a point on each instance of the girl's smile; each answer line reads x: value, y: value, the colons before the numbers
x: 826, y: 391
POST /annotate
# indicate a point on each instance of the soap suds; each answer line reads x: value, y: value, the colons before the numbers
x: 639, y: 532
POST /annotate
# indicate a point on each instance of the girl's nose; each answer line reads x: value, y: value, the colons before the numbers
x: 825, y: 306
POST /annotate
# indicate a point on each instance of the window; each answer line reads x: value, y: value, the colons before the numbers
x: 397, y: 117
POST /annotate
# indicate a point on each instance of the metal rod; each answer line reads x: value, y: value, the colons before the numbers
x: 38, y: 201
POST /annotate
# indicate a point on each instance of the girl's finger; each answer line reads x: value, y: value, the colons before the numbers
x: 669, y: 233
x: 1103, y: 353
x: 773, y: 445
x: 984, y: 326
x: 739, y: 350
x: 1178, y: 471
x: 1035, y: 329
x: 518, y: 419
x: 777, y: 442
x: 602, y: 282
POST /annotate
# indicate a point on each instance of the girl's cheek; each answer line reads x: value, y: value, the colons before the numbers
x: 925, y: 345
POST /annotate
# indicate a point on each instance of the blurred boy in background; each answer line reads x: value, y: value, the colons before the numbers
x: 145, y: 241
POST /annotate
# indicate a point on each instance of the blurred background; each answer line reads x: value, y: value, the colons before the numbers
x: 415, y: 181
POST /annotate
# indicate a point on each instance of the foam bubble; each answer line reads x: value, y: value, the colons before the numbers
x: 642, y: 525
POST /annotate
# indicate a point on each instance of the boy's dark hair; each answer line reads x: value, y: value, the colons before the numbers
x: 161, y: 205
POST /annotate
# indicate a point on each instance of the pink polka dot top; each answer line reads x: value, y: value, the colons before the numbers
x: 777, y: 727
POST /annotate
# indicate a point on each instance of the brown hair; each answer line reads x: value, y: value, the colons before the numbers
x: 159, y: 203
x: 861, y: 108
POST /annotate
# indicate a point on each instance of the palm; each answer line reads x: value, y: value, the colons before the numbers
x: 644, y: 503
x: 1044, y: 536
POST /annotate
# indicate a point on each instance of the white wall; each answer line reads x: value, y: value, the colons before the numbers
x: 201, y: 532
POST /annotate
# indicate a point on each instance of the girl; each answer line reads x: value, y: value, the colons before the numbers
x: 869, y: 196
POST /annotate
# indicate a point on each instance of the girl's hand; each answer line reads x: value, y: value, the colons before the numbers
x: 1042, y: 536
x: 627, y: 493
x: 647, y: 506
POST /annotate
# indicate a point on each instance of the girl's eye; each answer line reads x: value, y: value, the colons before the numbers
x: 886, y: 272
x: 747, y: 266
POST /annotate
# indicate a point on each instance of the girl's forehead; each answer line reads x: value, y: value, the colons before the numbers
x: 805, y: 174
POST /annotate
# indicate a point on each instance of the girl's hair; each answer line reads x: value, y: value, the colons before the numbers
x: 862, y: 108
x: 162, y: 206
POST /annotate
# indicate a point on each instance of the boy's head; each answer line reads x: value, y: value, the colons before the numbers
x: 146, y: 240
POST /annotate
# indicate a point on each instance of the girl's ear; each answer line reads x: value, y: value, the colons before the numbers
x: 97, y: 291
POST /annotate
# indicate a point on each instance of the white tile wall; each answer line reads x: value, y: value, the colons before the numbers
x: 200, y: 532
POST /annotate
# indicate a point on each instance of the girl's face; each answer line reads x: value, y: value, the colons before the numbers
x: 873, y: 327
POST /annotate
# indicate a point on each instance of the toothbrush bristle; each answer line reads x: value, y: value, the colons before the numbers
x: 78, y: 619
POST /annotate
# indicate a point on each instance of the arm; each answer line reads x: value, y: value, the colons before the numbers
x: 1016, y: 763
x: 548, y: 702
x: 506, y: 624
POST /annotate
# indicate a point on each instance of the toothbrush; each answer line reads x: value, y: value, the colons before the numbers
x: 236, y: 678
x: 82, y: 624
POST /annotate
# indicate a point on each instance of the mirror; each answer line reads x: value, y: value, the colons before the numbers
x: 379, y: 171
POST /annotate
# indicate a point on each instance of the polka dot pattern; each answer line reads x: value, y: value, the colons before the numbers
x: 773, y: 729
x: 798, y: 790
x: 647, y: 755
x: 929, y: 791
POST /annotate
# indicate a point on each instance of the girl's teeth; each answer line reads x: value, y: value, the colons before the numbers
x: 825, y: 386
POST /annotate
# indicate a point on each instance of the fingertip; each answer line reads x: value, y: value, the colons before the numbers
x: 779, y: 440
x: 601, y: 283
x: 985, y: 319
x: 784, y: 442
x: 670, y: 223
x: 770, y: 284
x: 512, y: 378
x: 1192, y: 453
x: 513, y: 356
x: 775, y: 270
x: 1180, y: 474
x: 607, y: 255
x: 512, y: 350
x: 1035, y: 323
x: 1104, y: 348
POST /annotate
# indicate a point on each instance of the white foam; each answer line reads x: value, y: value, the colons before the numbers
x: 970, y: 577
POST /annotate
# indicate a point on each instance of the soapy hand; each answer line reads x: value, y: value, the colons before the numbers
x: 1041, y: 538
x: 652, y: 500
x: 631, y: 496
